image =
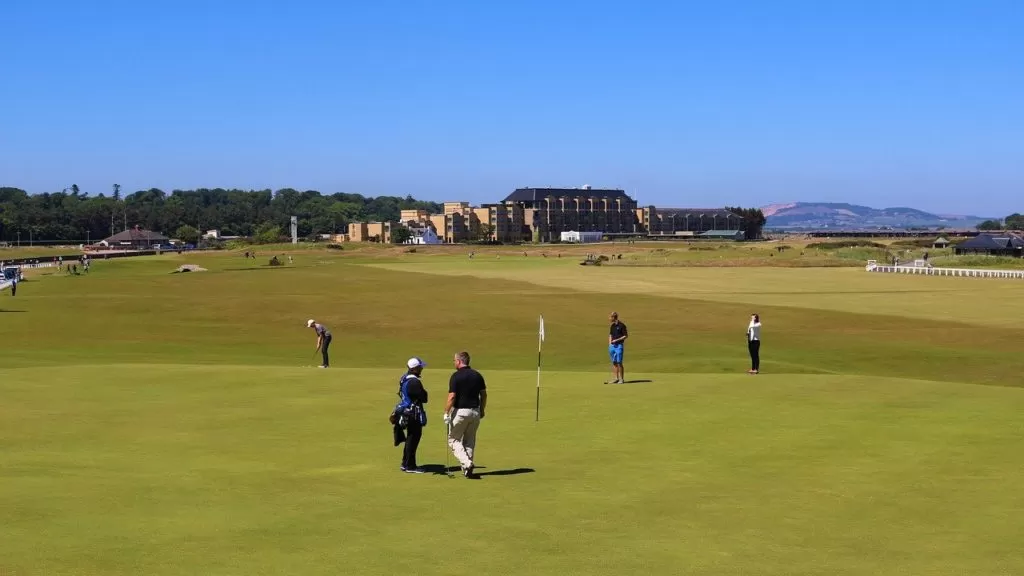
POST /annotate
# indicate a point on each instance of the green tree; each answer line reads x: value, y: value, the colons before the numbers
x: 267, y: 233
x: 400, y: 235
x: 187, y: 234
x: 74, y: 218
x: 74, y: 189
x: 990, y: 225
x: 485, y: 233
x: 753, y: 221
x: 1015, y: 221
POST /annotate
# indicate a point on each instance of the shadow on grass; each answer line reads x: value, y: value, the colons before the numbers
x: 256, y: 268
x: 7, y: 311
x: 441, y: 470
x: 632, y: 382
x: 510, y: 472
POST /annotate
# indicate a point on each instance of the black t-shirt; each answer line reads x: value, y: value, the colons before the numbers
x: 618, y: 330
x: 466, y: 384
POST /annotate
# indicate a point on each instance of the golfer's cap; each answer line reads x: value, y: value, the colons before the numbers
x: 415, y: 363
x: 309, y: 323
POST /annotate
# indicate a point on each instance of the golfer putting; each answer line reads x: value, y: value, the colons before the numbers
x: 323, y: 340
x: 617, y: 335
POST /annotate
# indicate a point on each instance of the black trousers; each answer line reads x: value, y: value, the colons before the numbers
x: 413, y: 433
x: 323, y: 350
x: 755, y: 354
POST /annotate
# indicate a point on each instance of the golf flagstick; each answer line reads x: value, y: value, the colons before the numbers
x: 540, y: 341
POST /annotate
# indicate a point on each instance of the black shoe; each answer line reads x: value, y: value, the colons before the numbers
x: 468, y: 472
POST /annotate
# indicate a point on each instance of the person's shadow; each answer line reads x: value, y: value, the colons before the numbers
x: 441, y: 470
x: 509, y: 472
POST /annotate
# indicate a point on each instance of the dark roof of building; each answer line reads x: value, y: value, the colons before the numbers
x: 992, y: 242
x: 697, y: 212
x: 135, y: 235
x: 535, y: 194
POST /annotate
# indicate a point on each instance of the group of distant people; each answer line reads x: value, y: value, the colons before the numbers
x: 252, y: 255
x: 83, y: 263
x: 467, y: 393
x: 72, y: 267
x: 472, y: 255
x: 463, y: 411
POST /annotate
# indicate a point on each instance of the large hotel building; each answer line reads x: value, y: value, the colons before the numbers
x: 542, y: 214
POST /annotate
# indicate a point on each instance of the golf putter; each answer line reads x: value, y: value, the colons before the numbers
x: 447, y: 451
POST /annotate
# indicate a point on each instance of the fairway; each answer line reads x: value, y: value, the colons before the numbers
x: 157, y: 423
x: 842, y: 289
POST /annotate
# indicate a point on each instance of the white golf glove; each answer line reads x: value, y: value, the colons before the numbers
x: 448, y: 418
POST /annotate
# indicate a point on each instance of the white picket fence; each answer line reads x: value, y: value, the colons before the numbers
x: 873, y: 266
x: 47, y: 264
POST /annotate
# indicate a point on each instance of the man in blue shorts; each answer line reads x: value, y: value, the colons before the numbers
x: 616, y: 337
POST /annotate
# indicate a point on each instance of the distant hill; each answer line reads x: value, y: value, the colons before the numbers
x: 821, y: 215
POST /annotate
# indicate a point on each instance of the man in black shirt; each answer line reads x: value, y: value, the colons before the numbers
x: 616, y: 337
x: 467, y: 400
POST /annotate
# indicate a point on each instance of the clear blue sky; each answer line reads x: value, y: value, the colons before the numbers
x: 899, y: 102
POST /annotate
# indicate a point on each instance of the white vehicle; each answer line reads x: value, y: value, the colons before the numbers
x: 11, y: 273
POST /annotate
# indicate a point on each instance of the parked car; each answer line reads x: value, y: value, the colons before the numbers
x: 11, y: 272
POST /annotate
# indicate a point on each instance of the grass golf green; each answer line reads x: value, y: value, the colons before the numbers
x: 157, y: 423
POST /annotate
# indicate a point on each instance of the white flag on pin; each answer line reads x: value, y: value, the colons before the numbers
x: 542, y: 328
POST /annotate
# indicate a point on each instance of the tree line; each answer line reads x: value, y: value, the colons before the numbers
x: 753, y: 221
x: 1014, y: 221
x: 74, y: 216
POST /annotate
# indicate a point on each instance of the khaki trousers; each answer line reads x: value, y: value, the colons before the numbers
x: 462, y: 435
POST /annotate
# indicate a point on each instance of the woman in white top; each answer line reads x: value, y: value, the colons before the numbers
x: 754, y: 343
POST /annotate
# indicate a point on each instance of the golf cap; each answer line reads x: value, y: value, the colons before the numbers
x: 415, y: 363
x: 309, y: 323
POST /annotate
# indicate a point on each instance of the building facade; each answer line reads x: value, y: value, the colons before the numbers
x: 134, y: 239
x: 423, y: 235
x: 547, y: 212
x: 370, y: 232
x: 543, y: 214
x: 581, y: 237
x: 687, y: 221
x: 502, y: 222
x: 417, y: 216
